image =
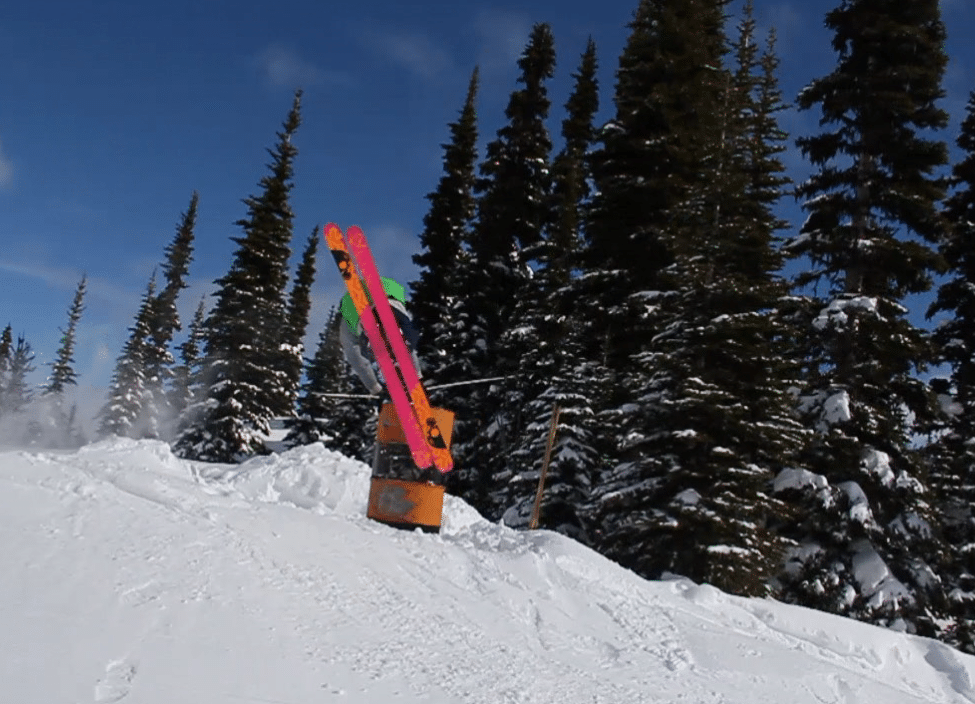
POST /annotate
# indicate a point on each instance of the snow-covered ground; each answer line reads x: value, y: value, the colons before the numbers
x: 130, y: 575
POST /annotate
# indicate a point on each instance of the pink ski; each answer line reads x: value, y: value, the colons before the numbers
x: 420, y: 404
x: 415, y: 437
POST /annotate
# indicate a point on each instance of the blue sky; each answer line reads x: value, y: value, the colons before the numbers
x: 113, y: 112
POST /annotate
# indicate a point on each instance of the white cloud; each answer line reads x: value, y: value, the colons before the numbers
x: 6, y: 169
x: 66, y: 279
x: 503, y: 36
x: 283, y: 68
x: 415, y: 52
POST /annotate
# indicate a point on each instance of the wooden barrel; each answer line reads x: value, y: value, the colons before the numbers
x: 389, y: 430
x: 406, y: 504
x: 400, y: 494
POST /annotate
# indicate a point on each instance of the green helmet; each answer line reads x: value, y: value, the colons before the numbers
x: 393, y: 289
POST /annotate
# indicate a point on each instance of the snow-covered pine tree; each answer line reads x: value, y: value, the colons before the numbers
x: 62, y: 368
x: 438, y: 296
x: 124, y: 408
x: 158, y: 417
x: 299, y: 308
x: 872, y: 212
x: 186, y: 382
x: 245, y: 368
x: 513, y: 209
x: 709, y: 417
x: 139, y: 404
x: 6, y: 355
x: 647, y: 166
x: 571, y: 174
x: 765, y: 141
x: 446, y: 227
x: 551, y: 349
x: 313, y: 409
x: 953, y: 463
x: 54, y: 427
x: 631, y: 163
x: 16, y: 394
x: 342, y: 424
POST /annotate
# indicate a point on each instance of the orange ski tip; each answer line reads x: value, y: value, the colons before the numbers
x: 333, y: 235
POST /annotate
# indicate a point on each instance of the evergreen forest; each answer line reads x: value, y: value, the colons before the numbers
x: 743, y: 400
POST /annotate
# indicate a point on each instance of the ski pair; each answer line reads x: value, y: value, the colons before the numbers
x: 358, y: 269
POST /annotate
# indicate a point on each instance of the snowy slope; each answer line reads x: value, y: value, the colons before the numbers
x: 130, y: 575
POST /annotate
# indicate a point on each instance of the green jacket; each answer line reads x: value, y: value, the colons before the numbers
x: 393, y: 289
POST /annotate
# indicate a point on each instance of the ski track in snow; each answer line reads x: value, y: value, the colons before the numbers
x: 140, y: 577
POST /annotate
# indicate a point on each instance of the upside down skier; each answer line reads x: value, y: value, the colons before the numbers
x: 410, y: 412
x: 355, y: 345
x: 359, y: 354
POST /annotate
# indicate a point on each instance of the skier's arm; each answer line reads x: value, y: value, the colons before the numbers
x: 410, y: 334
x: 359, y: 363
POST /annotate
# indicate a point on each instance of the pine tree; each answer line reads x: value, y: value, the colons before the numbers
x: 872, y: 210
x: 62, y: 369
x: 953, y: 465
x: 313, y: 415
x: 632, y: 166
x: 513, y: 209
x: 246, y: 358
x: 439, y: 301
x: 123, y: 412
x: 639, y: 175
x: 646, y: 169
x: 337, y: 422
x: 16, y: 395
x: 551, y: 348
x: 6, y: 357
x: 52, y: 417
x: 446, y: 227
x: 440, y: 304
x: 571, y: 173
x: 299, y: 307
x: 709, y: 420
x: 766, y: 142
x: 18, y: 418
x: 157, y: 415
x: 139, y: 403
x: 186, y: 381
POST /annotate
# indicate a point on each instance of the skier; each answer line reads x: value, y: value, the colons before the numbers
x: 388, y: 462
x: 356, y: 346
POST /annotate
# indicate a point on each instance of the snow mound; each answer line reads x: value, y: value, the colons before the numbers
x: 134, y: 576
x: 310, y: 477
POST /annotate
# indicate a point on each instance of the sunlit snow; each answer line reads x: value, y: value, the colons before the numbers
x: 133, y: 576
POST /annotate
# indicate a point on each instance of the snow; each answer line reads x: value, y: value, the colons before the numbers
x: 859, y: 504
x: 791, y: 478
x: 836, y: 408
x: 949, y: 405
x: 836, y: 312
x: 133, y: 576
x: 877, y: 463
x: 875, y: 578
x: 911, y: 524
x: 833, y: 406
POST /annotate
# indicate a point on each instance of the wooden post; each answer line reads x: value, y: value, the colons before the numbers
x: 537, y: 508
